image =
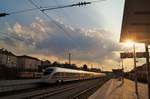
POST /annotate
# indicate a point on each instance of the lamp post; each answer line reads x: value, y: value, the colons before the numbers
x: 122, y: 71
x: 1, y: 60
x: 69, y: 58
x: 148, y: 68
x: 135, y: 72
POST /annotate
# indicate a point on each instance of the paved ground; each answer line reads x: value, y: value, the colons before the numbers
x: 115, y: 89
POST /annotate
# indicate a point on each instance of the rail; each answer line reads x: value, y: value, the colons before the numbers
x: 14, y: 85
x: 84, y: 95
x: 52, y: 92
x: 55, y: 90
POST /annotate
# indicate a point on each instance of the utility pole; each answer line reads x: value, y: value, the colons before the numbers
x: 1, y: 60
x: 135, y: 71
x: 122, y: 65
x: 122, y: 72
x: 91, y: 66
x: 69, y: 58
x: 148, y: 67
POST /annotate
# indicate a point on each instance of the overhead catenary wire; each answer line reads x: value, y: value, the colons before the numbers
x: 83, y: 3
x: 45, y: 8
x: 62, y: 10
x: 23, y: 11
x: 52, y: 20
x: 64, y: 13
x: 8, y: 36
x: 96, y: 1
x: 58, y: 25
x: 49, y: 17
x: 67, y: 6
x: 5, y: 36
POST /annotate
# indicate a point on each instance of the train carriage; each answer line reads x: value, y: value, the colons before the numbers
x: 57, y: 74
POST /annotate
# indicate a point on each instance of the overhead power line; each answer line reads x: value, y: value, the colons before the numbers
x: 23, y: 11
x: 96, y: 1
x: 66, y: 6
x: 7, y: 35
x: 79, y: 4
x: 44, y: 8
x: 3, y: 14
x: 52, y: 20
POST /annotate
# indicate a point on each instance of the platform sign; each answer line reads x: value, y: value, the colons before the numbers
x: 136, y: 21
x: 130, y: 55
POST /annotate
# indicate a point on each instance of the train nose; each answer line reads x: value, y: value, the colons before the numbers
x: 45, y: 79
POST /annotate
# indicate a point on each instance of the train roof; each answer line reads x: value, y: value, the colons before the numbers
x: 59, y: 69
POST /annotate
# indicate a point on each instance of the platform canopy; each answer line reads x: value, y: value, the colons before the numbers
x: 136, y: 21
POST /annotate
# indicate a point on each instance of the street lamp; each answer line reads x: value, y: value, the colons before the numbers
x: 148, y: 66
x: 129, y: 42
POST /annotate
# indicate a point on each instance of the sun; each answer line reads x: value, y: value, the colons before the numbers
x: 128, y: 43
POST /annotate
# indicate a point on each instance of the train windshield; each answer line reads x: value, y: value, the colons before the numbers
x: 48, y: 71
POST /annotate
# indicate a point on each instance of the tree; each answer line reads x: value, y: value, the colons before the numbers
x: 56, y: 64
x: 85, y: 67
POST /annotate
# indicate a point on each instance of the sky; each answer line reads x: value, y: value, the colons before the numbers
x: 90, y: 33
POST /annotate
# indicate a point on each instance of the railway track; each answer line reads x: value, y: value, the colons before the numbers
x: 49, y: 94
x: 56, y: 91
x: 11, y: 86
x: 87, y: 92
x: 34, y: 91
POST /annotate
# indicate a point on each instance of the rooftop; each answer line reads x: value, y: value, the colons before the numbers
x: 30, y: 57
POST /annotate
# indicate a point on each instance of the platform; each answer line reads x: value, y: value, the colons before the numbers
x: 115, y: 89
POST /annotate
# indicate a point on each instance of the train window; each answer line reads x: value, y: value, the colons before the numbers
x: 72, y: 74
x: 48, y: 71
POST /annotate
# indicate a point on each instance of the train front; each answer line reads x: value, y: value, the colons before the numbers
x: 47, y: 74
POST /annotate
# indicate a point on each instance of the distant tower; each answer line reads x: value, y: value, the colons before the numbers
x: 69, y: 58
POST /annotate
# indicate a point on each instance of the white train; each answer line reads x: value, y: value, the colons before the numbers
x: 57, y: 74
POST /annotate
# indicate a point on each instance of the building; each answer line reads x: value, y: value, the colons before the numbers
x: 7, y: 58
x: 28, y: 62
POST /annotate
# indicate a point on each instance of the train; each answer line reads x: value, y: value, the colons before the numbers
x: 59, y: 75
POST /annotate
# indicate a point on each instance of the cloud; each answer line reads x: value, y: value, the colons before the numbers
x: 41, y: 38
